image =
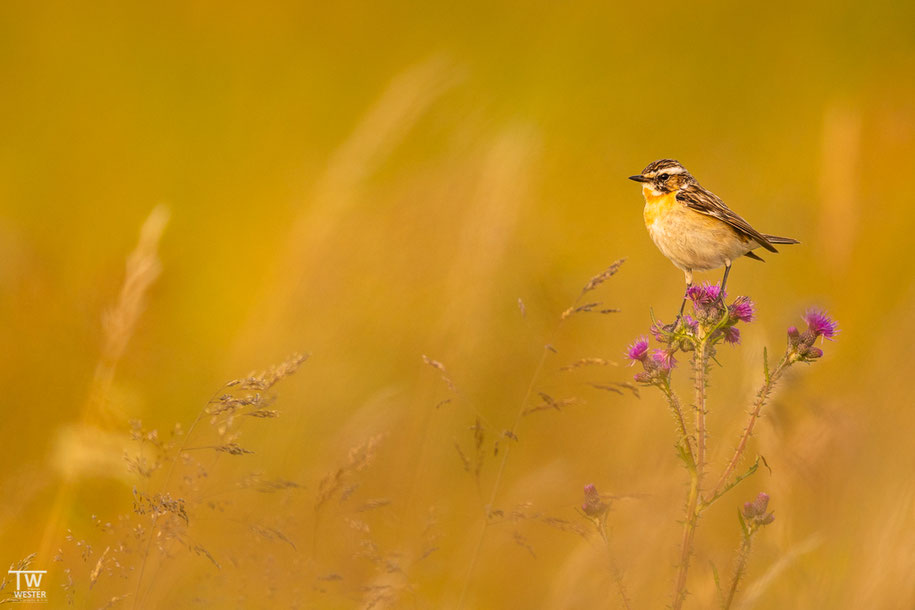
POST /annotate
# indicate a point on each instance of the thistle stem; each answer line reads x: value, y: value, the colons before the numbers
x: 742, y: 556
x: 686, y: 545
x: 762, y: 396
x: 675, y: 408
x: 614, y: 569
x: 700, y: 367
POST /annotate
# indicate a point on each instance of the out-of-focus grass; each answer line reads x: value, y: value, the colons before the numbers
x: 374, y: 183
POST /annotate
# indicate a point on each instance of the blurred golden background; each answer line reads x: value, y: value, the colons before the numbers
x: 372, y: 183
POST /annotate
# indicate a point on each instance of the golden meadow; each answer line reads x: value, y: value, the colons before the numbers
x: 383, y: 210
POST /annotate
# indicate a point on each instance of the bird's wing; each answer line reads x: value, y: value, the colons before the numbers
x: 697, y: 198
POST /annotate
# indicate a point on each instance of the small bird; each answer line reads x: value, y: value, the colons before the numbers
x: 692, y: 226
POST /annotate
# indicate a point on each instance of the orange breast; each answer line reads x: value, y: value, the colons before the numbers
x: 657, y: 205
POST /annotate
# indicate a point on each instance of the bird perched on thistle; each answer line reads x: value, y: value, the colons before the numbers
x: 692, y: 226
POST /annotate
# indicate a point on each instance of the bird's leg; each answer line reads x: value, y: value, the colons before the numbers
x: 682, y: 305
x: 724, y: 280
x: 689, y: 283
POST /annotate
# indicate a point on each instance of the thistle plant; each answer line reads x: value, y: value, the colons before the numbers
x: 698, y: 336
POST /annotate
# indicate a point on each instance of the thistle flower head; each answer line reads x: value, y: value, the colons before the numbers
x: 638, y: 350
x: 708, y: 301
x: 732, y: 335
x: 820, y: 324
x: 705, y: 293
x: 742, y: 309
x: 800, y: 343
x: 663, y: 359
x: 656, y: 366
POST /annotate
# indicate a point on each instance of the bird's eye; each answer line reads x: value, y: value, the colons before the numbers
x: 664, y: 177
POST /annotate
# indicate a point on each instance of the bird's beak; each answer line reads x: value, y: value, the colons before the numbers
x: 639, y: 178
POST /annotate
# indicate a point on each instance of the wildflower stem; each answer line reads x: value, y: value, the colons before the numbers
x: 614, y: 569
x: 675, y: 408
x: 762, y: 396
x: 689, y: 530
x: 743, y: 555
x: 700, y: 368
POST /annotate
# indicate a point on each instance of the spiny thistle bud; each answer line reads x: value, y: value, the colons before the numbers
x: 755, y: 511
x: 660, y: 332
x: 593, y: 505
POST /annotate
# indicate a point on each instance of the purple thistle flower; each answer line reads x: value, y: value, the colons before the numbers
x: 819, y: 323
x: 742, y: 309
x: 690, y: 321
x: 638, y: 350
x: 663, y: 359
x: 732, y: 335
x: 713, y: 292
x: 704, y: 293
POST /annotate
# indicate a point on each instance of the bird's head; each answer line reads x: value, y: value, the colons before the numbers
x: 664, y: 176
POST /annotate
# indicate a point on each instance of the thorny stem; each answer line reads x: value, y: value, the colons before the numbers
x: 674, y: 404
x: 742, y: 556
x: 614, y: 569
x: 689, y: 530
x: 761, y: 397
x: 700, y: 366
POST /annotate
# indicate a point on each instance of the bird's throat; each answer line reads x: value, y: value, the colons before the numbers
x: 657, y: 204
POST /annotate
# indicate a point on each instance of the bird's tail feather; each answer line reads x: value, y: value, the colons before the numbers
x: 775, y: 239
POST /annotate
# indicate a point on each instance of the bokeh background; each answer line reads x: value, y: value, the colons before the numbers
x: 371, y: 183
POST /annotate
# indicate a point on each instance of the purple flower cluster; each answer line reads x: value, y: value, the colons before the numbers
x: 819, y: 324
x: 755, y: 511
x: 708, y: 301
x: 705, y: 293
x: 656, y: 365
